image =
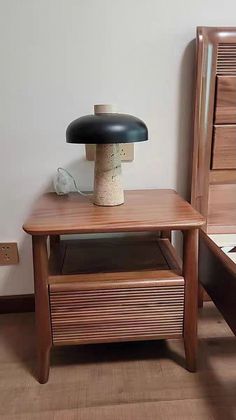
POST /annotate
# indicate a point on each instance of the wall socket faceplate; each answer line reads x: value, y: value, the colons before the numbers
x: 126, y: 152
x: 8, y: 253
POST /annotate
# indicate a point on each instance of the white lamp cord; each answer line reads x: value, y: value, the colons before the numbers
x: 61, y: 170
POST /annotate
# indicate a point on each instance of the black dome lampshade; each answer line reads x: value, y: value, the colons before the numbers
x: 107, y: 129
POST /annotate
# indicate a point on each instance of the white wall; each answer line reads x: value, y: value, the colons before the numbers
x: 58, y: 58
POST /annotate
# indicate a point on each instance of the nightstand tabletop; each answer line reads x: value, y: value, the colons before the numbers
x: 143, y: 210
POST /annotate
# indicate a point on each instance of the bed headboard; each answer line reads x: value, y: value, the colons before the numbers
x: 214, y: 151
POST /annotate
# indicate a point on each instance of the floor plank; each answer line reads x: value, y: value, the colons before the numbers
x: 144, y: 380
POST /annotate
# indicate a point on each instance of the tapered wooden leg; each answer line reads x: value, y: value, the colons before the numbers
x: 43, y: 364
x: 42, y: 311
x: 190, y: 272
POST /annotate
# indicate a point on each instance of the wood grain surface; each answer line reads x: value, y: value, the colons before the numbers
x: 224, y: 146
x: 223, y: 177
x: 143, y: 210
x: 204, y: 108
x: 215, y: 103
x: 225, y: 112
x: 190, y: 273
x: 86, y: 316
x: 222, y: 205
x: 111, y: 254
x: 87, y: 261
x: 42, y: 309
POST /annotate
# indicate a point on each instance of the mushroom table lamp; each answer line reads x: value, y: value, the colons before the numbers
x: 107, y: 129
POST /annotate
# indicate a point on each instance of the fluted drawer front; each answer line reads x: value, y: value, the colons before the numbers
x: 225, y: 105
x: 86, y: 316
x: 224, y: 147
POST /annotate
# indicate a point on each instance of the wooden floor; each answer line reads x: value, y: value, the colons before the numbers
x: 133, y: 381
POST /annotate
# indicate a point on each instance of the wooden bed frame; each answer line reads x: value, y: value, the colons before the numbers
x: 214, y: 164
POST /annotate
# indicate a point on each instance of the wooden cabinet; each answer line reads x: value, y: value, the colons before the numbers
x: 124, y: 288
x: 214, y: 163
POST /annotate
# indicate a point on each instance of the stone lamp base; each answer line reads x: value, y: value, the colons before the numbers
x: 108, y: 189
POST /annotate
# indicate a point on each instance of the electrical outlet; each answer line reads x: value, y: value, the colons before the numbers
x: 8, y: 253
x: 126, y: 152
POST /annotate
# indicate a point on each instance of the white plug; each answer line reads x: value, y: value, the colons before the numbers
x: 64, y: 183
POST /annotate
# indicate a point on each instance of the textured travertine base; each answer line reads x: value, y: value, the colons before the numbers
x: 108, y: 190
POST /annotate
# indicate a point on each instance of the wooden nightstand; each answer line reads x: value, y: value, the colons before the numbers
x: 114, y: 289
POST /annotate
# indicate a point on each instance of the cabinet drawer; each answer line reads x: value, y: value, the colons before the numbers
x: 221, y: 210
x: 225, y: 111
x: 119, y: 313
x: 224, y: 147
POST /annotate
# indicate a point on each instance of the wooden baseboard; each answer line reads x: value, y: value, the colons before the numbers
x: 16, y: 303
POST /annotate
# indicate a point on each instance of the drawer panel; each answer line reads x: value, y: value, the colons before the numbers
x: 222, y: 208
x: 225, y: 111
x: 224, y: 147
x: 120, y: 314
